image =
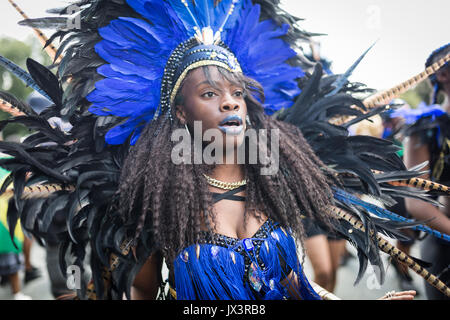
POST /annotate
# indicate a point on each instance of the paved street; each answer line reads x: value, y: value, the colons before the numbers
x: 367, y: 289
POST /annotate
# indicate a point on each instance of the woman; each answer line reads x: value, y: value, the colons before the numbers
x: 165, y: 70
x: 428, y: 140
x: 325, y: 254
x: 210, y: 95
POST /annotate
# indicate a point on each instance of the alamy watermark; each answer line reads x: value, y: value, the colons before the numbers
x: 73, y: 277
x: 262, y: 148
x: 74, y: 19
x: 374, y: 274
x: 373, y: 21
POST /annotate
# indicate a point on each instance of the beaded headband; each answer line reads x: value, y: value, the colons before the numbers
x: 189, y: 56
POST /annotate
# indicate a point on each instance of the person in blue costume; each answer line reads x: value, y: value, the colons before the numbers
x: 391, y: 126
x: 226, y: 230
x: 428, y: 132
x: 240, y: 250
x: 235, y: 247
x: 151, y: 92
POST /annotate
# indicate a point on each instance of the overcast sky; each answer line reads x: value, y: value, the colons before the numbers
x: 406, y: 30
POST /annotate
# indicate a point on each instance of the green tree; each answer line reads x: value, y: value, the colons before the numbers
x: 420, y: 93
x: 18, y: 52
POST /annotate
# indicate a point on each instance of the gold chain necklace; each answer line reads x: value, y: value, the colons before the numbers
x: 225, y: 185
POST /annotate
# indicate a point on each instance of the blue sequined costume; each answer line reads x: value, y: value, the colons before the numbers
x: 222, y: 267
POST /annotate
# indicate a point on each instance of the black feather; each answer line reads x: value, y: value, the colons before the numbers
x: 6, y: 182
x: 12, y: 219
x: 18, y: 151
x: 46, y: 80
x: 63, y: 249
x: 22, y: 106
x: 296, y: 111
x: 56, y: 23
x: 79, y: 201
x: 19, y: 185
x: 34, y: 209
x: 59, y: 203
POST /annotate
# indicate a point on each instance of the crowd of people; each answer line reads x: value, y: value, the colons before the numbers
x: 126, y: 192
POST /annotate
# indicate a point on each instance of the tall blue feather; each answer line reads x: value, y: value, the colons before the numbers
x: 206, y: 9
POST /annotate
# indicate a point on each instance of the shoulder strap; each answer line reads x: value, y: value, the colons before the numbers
x: 229, y: 195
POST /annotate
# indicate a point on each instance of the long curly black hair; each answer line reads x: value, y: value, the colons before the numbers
x: 169, y: 202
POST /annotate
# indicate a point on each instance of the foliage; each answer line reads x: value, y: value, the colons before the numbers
x: 422, y: 92
x: 18, y: 52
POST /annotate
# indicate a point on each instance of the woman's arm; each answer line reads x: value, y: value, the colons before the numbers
x: 416, y: 153
x: 146, y: 283
x: 291, y: 283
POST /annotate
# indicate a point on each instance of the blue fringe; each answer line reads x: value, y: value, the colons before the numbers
x: 209, y: 272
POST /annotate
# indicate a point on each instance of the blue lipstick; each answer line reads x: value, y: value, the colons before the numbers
x: 231, y: 125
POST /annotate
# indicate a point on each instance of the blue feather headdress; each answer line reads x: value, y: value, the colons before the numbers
x: 146, y: 60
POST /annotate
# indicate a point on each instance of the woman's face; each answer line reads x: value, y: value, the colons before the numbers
x: 216, y: 103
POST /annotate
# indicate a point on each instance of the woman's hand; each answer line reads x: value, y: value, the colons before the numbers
x: 403, y: 295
